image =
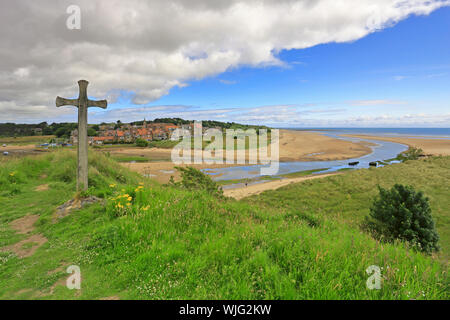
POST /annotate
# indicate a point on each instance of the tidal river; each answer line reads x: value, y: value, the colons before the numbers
x: 382, y: 150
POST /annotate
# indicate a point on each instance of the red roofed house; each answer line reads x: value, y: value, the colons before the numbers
x: 102, y: 140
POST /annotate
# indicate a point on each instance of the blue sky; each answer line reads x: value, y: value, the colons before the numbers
x: 399, y: 71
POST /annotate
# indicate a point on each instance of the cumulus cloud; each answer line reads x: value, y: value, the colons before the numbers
x: 148, y: 47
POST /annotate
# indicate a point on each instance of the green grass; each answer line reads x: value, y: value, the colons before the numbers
x: 130, y: 159
x: 25, y: 140
x: 348, y: 197
x: 299, y: 242
x: 345, y: 169
x: 302, y: 173
x: 286, y: 175
x: 165, y: 144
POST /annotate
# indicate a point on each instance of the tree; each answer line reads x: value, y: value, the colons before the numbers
x: 60, y: 132
x: 404, y: 214
x: 141, y: 143
x: 194, y: 179
x: 91, y: 132
x: 47, y: 131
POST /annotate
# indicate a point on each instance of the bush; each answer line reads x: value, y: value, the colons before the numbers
x: 141, y: 143
x: 194, y: 179
x: 411, y: 154
x: 404, y: 214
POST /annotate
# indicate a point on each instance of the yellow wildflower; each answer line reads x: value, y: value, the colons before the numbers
x: 112, y: 185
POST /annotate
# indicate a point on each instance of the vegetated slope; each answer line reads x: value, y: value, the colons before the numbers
x: 165, y: 243
x: 348, y: 197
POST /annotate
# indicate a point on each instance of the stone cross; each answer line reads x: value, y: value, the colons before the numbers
x: 83, y: 103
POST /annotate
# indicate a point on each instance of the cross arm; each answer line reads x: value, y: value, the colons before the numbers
x: 100, y: 103
x: 66, y: 102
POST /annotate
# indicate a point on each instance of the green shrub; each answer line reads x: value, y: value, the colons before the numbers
x: 141, y: 143
x: 411, y: 154
x: 194, y: 179
x: 402, y: 213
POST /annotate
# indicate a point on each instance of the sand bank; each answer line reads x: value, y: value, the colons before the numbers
x: 313, y: 146
x: 429, y: 146
x: 254, y: 189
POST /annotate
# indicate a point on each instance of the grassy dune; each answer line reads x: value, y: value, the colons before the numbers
x: 347, y: 198
x: 154, y: 242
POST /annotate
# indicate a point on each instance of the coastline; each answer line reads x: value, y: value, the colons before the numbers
x: 430, y: 146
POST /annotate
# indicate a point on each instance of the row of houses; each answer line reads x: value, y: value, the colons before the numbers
x: 128, y: 133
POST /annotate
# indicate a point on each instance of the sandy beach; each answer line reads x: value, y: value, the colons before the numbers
x: 434, y: 147
x: 239, y: 193
x: 314, y: 146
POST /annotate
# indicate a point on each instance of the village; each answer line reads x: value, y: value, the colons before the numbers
x: 129, y: 133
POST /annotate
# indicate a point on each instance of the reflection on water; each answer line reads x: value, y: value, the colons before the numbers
x: 383, y: 150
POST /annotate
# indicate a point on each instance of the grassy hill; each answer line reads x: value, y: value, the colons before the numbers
x: 152, y: 242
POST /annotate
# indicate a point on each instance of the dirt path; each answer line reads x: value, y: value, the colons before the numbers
x: 244, y: 192
x: 25, y: 224
x: 42, y: 187
x: 26, y: 247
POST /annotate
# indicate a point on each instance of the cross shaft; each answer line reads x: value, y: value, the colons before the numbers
x: 83, y: 103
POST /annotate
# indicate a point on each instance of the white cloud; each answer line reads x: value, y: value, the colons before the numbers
x: 436, y: 75
x: 399, y: 78
x: 228, y: 82
x: 149, y: 47
x: 379, y: 102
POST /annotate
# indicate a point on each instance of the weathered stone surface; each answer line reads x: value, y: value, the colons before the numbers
x: 74, y: 204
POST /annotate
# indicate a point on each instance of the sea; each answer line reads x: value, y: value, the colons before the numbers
x: 389, y: 132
